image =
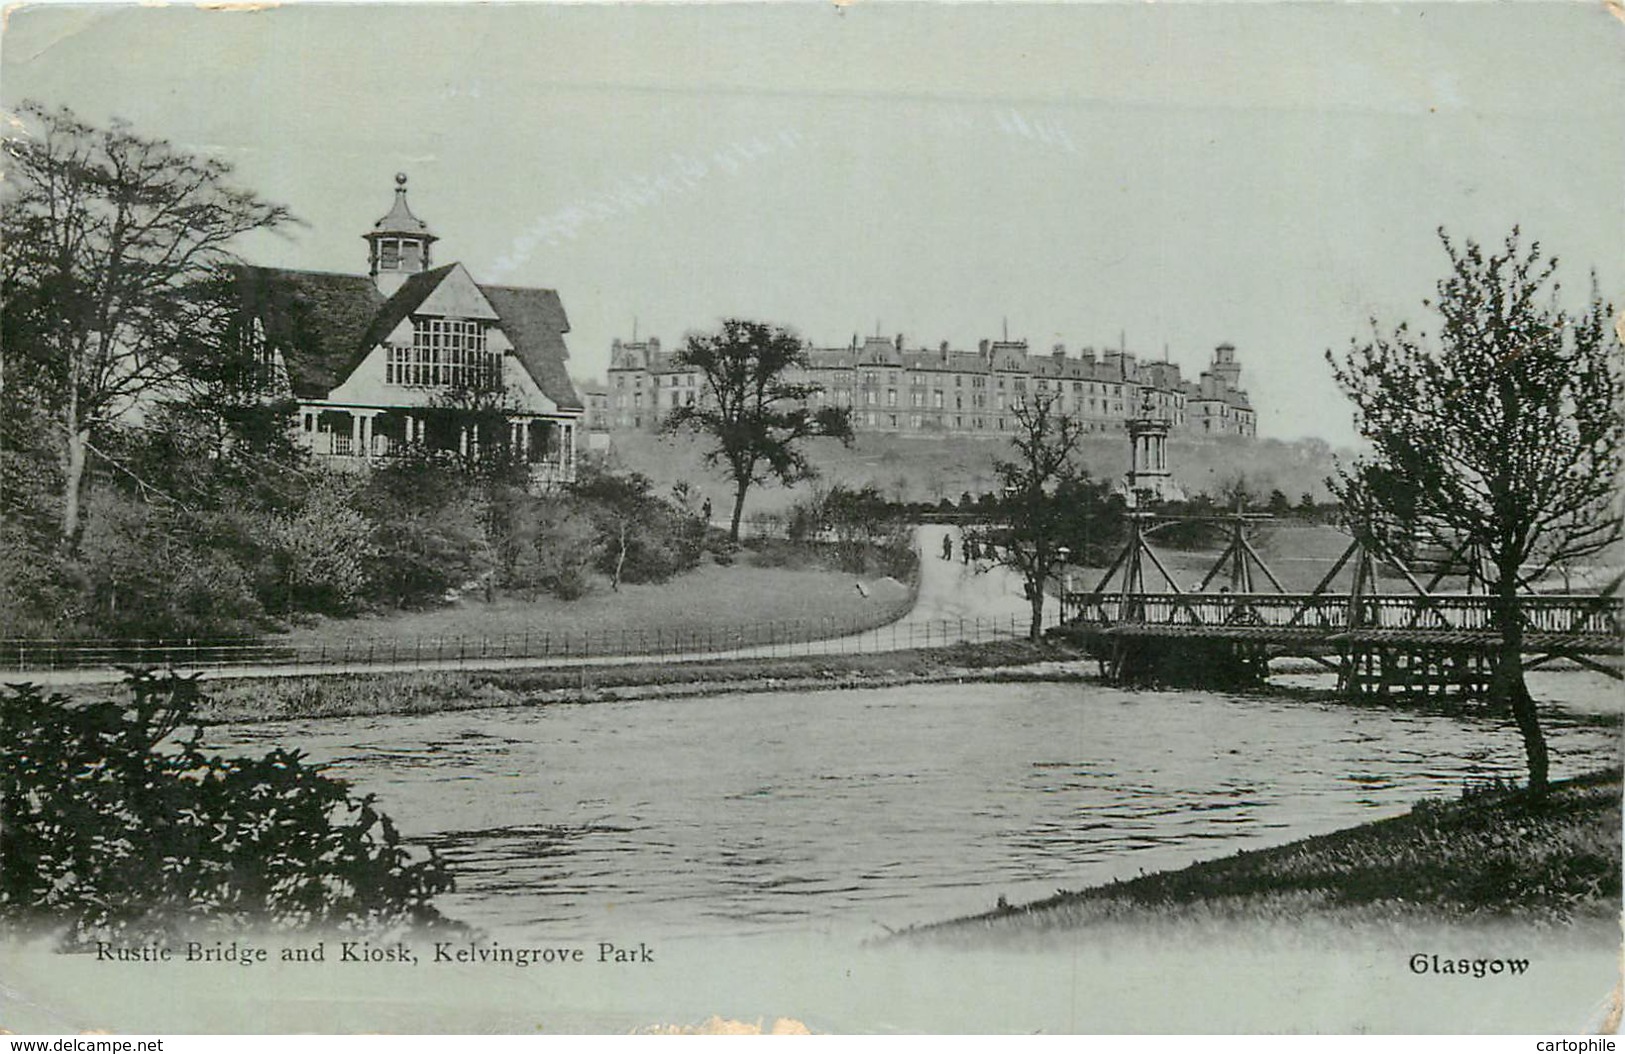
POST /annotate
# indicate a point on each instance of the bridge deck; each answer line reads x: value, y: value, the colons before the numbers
x: 1570, y: 624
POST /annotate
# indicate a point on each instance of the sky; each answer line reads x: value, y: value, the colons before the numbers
x: 1170, y: 175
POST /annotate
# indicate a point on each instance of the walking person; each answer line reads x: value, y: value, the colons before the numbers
x: 947, y: 546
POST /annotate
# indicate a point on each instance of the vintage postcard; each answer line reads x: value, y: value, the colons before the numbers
x: 849, y: 518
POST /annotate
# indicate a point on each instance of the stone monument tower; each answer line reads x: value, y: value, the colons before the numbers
x: 1149, y: 478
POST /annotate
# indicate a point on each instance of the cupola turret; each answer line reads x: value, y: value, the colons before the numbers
x: 398, y: 244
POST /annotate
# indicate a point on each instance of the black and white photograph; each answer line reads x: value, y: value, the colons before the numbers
x: 817, y: 518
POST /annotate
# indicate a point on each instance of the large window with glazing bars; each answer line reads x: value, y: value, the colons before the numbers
x: 445, y: 352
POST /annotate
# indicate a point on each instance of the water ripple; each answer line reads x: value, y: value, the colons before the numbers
x: 748, y: 813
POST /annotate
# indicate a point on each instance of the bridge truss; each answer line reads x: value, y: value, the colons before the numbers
x: 1420, y: 642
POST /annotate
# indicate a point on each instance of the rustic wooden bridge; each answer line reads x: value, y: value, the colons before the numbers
x: 1416, y: 643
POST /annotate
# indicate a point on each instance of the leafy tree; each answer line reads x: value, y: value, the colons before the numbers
x: 429, y: 530
x: 755, y: 415
x: 641, y: 537
x: 1094, y: 524
x: 1279, y: 504
x: 155, y: 570
x: 317, y: 553
x: 109, y: 284
x: 1234, y: 493
x: 37, y: 593
x: 553, y: 549
x: 1502, y: 431
x: 864, y: 525
x: 1034, y: 506
x: 121, y: 832
x: 480, y: 410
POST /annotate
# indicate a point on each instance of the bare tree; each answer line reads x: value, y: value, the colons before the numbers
x: 755, y: 414
x: 113, y: 243
x: 1036, y: 505
x: 1502, y: 432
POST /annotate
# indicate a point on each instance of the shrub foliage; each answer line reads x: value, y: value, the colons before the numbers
x: 120, y: 829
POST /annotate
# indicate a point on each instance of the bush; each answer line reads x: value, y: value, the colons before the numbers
x: 641, y: 537
x: 551, y: 547
x: 895, y: 555
x: 118, y: 832
x: 160, y: 572
x: 427, y: 536
x: 317, y: 555
x: 38, y: 596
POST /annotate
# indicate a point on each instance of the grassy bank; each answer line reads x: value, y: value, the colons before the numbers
x: 429, y: 691
x: 726, y: 599
x: 1494, y: 854
x: 918, y: 468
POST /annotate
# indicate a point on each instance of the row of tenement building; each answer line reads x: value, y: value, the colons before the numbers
x: 942, y: 391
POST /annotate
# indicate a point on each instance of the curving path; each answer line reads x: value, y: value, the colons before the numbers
x: 956, y: 603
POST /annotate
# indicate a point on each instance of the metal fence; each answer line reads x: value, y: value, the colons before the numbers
x: 781, y: 638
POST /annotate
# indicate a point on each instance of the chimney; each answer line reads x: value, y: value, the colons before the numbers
x: 1059, y: 352
x: 944, y: 349
x: 981, y: 347
x: 898, y: 343
x: 654, y: 345
x: 1087, y: 354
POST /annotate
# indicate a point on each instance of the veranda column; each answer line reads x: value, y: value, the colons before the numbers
x: 355, y: 433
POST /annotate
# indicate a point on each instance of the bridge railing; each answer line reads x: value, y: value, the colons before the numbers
x: 1589, y: 615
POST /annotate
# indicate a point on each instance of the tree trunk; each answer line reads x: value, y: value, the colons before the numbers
x: 73, y: 483
x: 1036, y: 630
x: 1528, y: 720
x: 620, y: 560
x: 1507, y: 687
x: 739, y: 511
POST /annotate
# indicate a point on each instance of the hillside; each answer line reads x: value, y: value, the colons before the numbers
x: 919, y: 469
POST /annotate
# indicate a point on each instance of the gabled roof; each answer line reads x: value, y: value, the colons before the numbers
x: 326, y: 324
x: 412, y: 293
x: 317, y: 319
x: 534, y: 320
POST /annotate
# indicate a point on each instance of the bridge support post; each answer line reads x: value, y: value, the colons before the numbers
x: 1371, y: 672
x: 1188, y: 662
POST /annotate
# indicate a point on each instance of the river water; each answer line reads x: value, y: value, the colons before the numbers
x: 851, y: 812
